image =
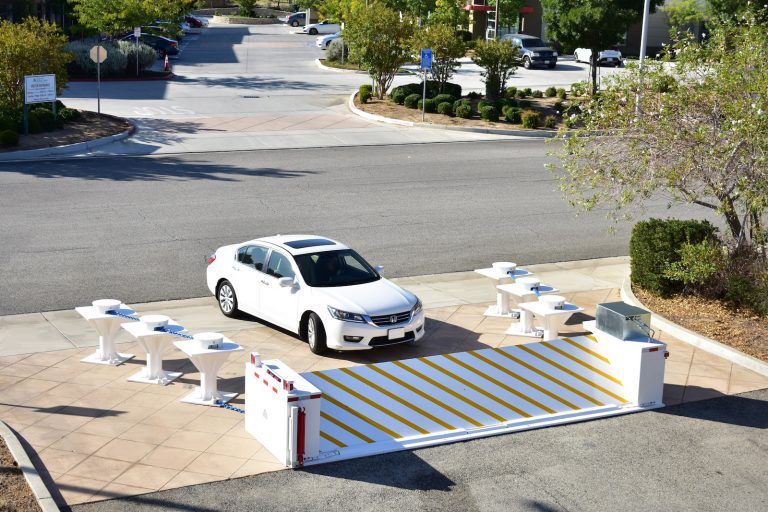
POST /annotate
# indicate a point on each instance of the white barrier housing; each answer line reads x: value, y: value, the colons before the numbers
x: 282, y: 411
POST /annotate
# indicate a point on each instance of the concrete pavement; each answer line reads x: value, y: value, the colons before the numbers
x: 101, y: 437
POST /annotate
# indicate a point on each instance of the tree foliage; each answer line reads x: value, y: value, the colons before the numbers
x: 499, y: 60
x: 32, y: 47
x: 694, y: 132
x: 509, y: 11
x: 449, y: 12
x: 593, y: 24
x: 380, y: 42
x: 116, y: 17
x: 447, y: 49
x: 683, y: 14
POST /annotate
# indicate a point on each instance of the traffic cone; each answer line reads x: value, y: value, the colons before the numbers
x: 166, y: 64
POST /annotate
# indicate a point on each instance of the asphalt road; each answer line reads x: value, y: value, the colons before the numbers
x: 138, y: 229
x: 700, y: 456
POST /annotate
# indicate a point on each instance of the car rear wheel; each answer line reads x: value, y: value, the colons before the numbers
x: 313, y: 31
x: 227, y: 299
x: 526, y: 63
x: 316, y: 335
x: 294, y: 23
x: 551, y: 66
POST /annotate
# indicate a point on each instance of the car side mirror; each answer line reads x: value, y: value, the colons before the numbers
x: 285, y: 282
x: 378, y: 268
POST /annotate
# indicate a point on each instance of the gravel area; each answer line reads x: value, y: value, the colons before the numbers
x: 741, y: 330
x: 15, y: 494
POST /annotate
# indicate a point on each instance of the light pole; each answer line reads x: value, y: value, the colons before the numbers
x: 644, y: 32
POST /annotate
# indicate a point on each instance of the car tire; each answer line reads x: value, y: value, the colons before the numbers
x: 551, y: 66
x: 313, y: 31
x: 316, y: 335
x: 526, y: 62
x: 294, y: 23
x: 227, y: 299
x: 328, y: 44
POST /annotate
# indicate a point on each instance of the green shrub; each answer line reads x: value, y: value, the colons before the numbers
x: 537, y: 94
x: 551, y: 92
x: 458, y: 103
x: 365, y: 96
x: 698, y: 264
x: 116, y: 63
x: 333, y: 53
x: 528, y: 91
x: 441, y: 98
x: 398, y: 96
x: 558, y: 106
x: 474, y: 95
x: 561, y: 94
x: 68, y: 114
x: 412, y: 100
x: 520, y: 93
x: 484, y: 103
x: 510, y: 92
x: 7, y: 123
x: 512, y: 114
x: 429, y: 106
x: 654, y: 248
x: 147, y: 55
x: 365, y: 88
x: 9, y: 138
x: 580, y: 88
x: 550, y: 122
x: 523, y: 103
x: 465, y: 35
x: 489, y: 113
x: 445, y: 108
x: 530, y: 119
x: 46, y: 118
x: 449, y: 88
x: 463, y: 111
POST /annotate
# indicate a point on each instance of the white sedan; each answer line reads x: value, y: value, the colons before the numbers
x: 323, y: 42
x: 609, y: 57
x: 324, y: 27
x: 317, y: 288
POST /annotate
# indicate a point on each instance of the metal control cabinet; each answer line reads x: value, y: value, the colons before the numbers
x: 623, y: 321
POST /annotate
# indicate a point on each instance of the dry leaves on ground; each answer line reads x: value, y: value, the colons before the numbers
x: 741, y: 330
x: 15, y: 494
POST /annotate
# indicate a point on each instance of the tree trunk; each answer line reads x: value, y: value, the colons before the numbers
x: 593, y: 69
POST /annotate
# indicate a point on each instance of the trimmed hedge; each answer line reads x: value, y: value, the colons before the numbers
x: 441, y: 98
x: 445, y: 108
x: 551, y: 92
x: 398, y: 97
x: 463, y: 111
x: 489, y: 113
x: 510, y: 92
x: 365, y: 96
x: 6, y: 123
x: 512, y: 114
x: 9, y: 138
x: 655, y: 244
x: 530, y: 119
x: 451, y: 89
x: 429, y: 106
x: 550, y: 122
x: 365, y: 88
x: 412, y: 100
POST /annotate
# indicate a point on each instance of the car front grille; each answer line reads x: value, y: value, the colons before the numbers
x: 380, y: 341
x: 394, y: 318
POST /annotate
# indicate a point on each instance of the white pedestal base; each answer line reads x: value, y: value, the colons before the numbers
x: 493, y: 310
x: 114, y: 359
x: 517, y: 330
x: 196, y: 397
x: 164, y: 378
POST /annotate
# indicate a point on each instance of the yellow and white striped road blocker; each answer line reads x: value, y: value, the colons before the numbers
x: 426, y: 401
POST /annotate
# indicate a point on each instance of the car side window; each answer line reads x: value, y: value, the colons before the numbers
x: 252, y: 256
x: 280, y: 266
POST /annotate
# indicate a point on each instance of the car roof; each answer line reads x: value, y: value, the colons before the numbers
x: 301, y: 244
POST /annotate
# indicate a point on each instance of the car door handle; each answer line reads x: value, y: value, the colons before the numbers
x: 265, y: 282
x: 236, y: 269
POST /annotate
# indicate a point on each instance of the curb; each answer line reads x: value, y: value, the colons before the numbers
x: 32, y: 154
x: 169, y: 76
x: 358, y: 71
x: 543, y: 134
x: 697, y: 340
x: 39, y: 489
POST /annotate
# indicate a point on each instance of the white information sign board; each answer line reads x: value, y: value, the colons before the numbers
x: 39, y: 89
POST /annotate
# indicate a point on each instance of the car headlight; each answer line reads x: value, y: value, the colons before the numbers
x: 416, y: 309
x: 536, y: 54
x: 345, y: 316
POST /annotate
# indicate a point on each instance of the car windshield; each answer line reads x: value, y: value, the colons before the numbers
x: 335, y: 268
x: 533, y: 43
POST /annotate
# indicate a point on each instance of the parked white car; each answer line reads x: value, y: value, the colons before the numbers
x: 605, y: 57
x: 324, y: 27
x: 324, y: 42
x: 317, y: 288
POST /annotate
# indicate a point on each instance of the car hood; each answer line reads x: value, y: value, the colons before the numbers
x: 540, y: 49
x: 380, y: 297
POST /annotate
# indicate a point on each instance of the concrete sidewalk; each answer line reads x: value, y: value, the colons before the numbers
x: 100, y: 437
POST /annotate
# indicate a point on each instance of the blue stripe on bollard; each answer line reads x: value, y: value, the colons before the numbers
x: 162, y: 329
x: 231, y: 408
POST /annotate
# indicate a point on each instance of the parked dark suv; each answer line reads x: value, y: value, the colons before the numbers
x: 162, y: 45
x: 533, y: 51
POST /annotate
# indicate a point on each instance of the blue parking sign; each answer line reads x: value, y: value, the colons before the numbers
x: 426, y: 58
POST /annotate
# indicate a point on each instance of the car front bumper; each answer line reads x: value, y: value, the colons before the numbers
x: 372, y: 336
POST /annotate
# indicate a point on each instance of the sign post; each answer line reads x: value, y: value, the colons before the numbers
x: 98, y: 55
x: 137, y: 36
x: 38, y: 89
x: 426, y: 63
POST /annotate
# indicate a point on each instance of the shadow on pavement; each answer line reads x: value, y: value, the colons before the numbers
x: 146, y: 169
x: 714, y: 406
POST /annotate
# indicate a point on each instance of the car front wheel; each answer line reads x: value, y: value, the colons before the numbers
x: 316, y: 335
x: 295, y: 24
x: 526, y: 63
x: 227, y: 299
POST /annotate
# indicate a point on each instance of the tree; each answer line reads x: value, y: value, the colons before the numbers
x: 449, y: 12
x: 509, y: 11
x: 380, y: 42
x: 695, y: 132
x: 447, y: 49
x: 246, y: 7
x: 32, y: 47
x: 113, y: 17
x: 593, y: 24
x: 683, y: 14
x: 499, y: 59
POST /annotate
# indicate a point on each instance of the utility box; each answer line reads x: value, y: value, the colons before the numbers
x: 623, y: 321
